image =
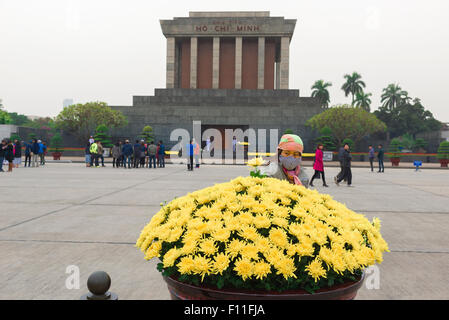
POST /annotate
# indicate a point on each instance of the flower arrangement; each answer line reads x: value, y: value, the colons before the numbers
x: 261, y: 234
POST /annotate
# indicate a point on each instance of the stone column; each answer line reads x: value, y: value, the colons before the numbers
x: 277, y: 65
x: 170, y: 76
x: 193, y: 62
x: 284, y: 65
x: 238, y: 62
x: 216, y: 63
x: 261, y: 64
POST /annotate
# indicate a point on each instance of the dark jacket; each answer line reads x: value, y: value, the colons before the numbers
x: 347, y: 157
x: 35, y: 148
x: 161, y: 149
x: 9, y: 153
x: 341, y: 154
x: 380, y: 155
x: 2, y: 151
x: 127, y: 149
x: 28, y: 149
x: 18, y: 153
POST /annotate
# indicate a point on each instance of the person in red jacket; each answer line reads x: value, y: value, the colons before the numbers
x: 318, y: 165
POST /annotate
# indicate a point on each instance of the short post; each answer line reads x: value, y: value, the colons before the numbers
x: 98, y: 284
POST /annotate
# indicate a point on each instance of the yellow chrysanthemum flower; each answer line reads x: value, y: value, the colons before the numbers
x: 153, y: 251
x: 170, y: 257
x: 221, y: 263
x: 286, y: 267
x: 186, y: 265
x: 249, y: 251
x: 315, y: 269
x: 208, y: 247
x: 203, y: 266
x: 244, y: 268
x: 278, y: 237
x: 255, y: 162
x: 261, y: 269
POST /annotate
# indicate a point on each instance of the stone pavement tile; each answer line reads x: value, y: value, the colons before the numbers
x: 18, y: 211
x: 414, y: 231
x: 37, y: 270
x: 86, y: 223
x: 409, y: 275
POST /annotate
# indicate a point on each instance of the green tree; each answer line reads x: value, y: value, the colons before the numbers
x: 363, y: 100
x: 147, y: 134
x: 353, y: 85
x: 82, y: 119
x: 393, y: 96
x: 420, y: 144
x: 443, y: 150
x: 347, y: 122
x: 18, y: 119
x: 326, y: 139
x: 395, y: 147
x: 320, y: 91
x: 4, y: 116
x: 101, y: 135
x: 408, y: 118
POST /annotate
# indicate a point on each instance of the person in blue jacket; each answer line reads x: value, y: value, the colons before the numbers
x: 189, y: 154
x: 35, y: 153
x: 28, y: 153
x: 127, y: 151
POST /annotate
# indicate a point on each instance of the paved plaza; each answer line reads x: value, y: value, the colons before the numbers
x: 65, y: 214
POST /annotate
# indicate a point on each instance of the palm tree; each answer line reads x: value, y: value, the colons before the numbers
x: 320, y: 91
x: 353, y: 85
x: 362, y: 100
x: 393, y: 95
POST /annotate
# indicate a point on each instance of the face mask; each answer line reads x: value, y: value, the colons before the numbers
x: 290, y: 162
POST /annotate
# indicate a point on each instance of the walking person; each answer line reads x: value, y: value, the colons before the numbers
x: 318, y: 166
x: 45, y: 149
x: 17, y: 153
x: 87, y: 155
x: 28, y: 153
x: 371, y: 157
x: 152, y: 153
x: 347, y: 157
x: 161, y: 154
x: 127, y: 152
x: 35, y: 153
x: 341, y: 152
x: 116, y: 154
x: 2, y: 154
x: 380, y: 157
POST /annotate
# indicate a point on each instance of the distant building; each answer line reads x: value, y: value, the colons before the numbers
x: 67, y: 102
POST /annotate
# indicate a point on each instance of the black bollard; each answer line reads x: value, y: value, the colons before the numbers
x: 98, y: 284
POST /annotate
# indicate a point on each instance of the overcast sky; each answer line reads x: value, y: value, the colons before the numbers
x: 110, y: 50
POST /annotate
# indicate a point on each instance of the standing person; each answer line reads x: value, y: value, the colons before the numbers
x: 136, y: 154
x: 371, y: 157
x: 120, y: 160
x: 116, y: 154
x: 100, y: 152
x: 196, y: 153
x: 208, y: 144
x: 28, y: 153
x: 35, y: 153
x: 127, y: 151
x: 143, y: 151
x: 41, y: 152
x: 45, y: 149
x: 318, y: 165
x: 152, y: 153
x: 2, y: 154
x: 341, y: 152
x: 347, y: 167
x: 380, y: 156
x: 94, y: 154
x: 189, y: 154
x: 161, y: 154
x: 87, y: 155
x: 91, y: 140
x: 17, y: 153
x: 9, y: 155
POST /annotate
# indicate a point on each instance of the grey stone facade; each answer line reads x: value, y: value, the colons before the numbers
x: 170, y: 109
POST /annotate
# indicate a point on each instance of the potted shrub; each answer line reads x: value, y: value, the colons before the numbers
x: 395, y: 152
x: 443, y: 153
x: 261, y: 238
x: 56, y: 145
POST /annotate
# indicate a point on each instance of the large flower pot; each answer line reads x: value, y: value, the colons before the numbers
x: 444, y: 162
x: 56, y: 155
x: 183, y: 291
x: 395, y: 161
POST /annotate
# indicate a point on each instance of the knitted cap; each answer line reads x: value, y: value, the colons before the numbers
x: 291, y: 142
